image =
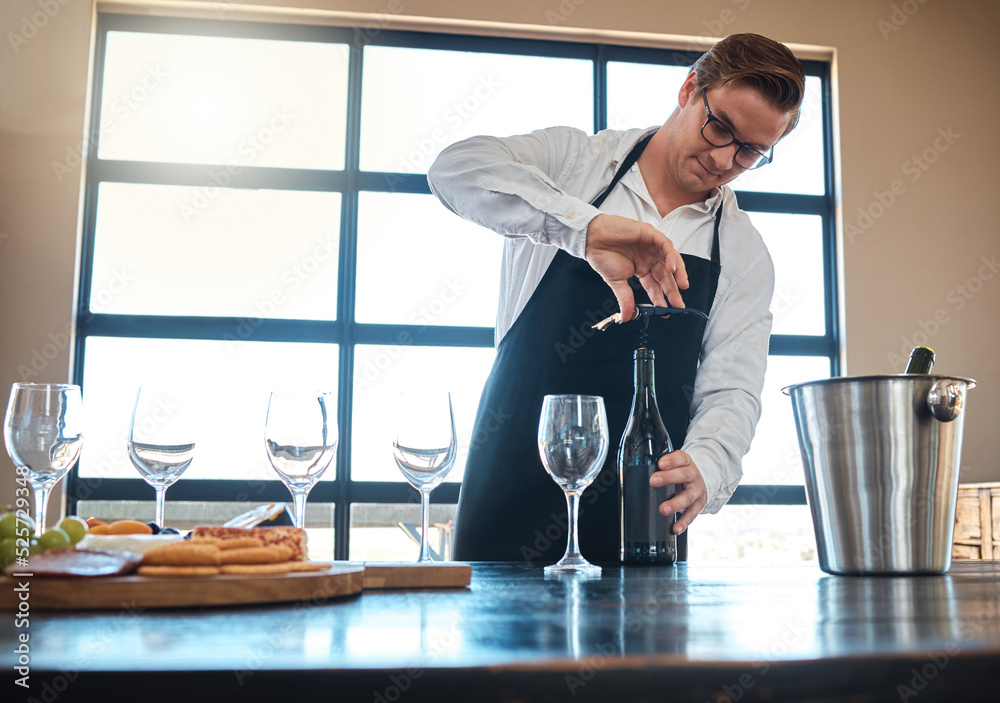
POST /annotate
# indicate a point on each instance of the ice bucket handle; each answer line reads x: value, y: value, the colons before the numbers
x: 946, y: 399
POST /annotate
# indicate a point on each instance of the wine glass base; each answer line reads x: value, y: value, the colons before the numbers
x: 573, y: 566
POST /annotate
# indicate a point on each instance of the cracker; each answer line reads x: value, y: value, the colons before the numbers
x: 205, y: 540
x: 256, y: 555
x: 309, y: 565
x: 188, y: 553
x: 178, y: 571
x: 238, y: 543
x: 281, y: 568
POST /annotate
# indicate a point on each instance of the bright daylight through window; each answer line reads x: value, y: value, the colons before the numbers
x: 258, y: 219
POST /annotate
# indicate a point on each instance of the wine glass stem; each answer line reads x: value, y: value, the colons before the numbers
x: 299, y: 498
x: 41, y: 505
x: 161, y: 498
x: 425, y: 509
x: 573, y: 510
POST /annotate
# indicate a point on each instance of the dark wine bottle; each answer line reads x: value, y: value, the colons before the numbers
x: 646, y: 536
x: 921, y: 360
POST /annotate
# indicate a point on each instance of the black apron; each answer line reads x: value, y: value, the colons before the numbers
x: 509, y: 508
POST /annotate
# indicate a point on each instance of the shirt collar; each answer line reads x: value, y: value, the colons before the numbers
x: 627, y: 142
x: 632, y: 137
x: 712, y: 202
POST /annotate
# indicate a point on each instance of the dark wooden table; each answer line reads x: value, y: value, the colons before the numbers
x: 688, y: 633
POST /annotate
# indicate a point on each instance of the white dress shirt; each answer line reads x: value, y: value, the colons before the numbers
x: 536, y: 191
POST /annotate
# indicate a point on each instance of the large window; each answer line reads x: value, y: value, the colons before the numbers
x: 258, y: 218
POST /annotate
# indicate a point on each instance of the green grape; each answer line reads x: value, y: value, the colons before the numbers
x: 8, y: 525
x: 14, y: 525
x: 54, y: 538
x: 8, y: 551
x: 75, y: 527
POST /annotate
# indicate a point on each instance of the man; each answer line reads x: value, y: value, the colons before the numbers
x: 598, y: 223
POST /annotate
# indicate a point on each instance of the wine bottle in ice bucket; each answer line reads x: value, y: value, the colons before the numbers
x: 921, y: 361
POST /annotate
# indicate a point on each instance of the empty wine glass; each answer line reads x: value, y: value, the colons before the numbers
x: 425, y: 447
x: 573, y: 443
x: 161, y: 439
x: 43, y: 433
x: 300, y: 436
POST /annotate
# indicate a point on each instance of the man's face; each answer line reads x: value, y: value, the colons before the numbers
x: 696, y: 166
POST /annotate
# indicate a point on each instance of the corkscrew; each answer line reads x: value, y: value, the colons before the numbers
x: 646, y: 311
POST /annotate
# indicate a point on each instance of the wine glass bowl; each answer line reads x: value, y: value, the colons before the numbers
x: 573, y: 444
x: 572, y: 459
x: 43, y: 434
x: 161, y: 440
x: 424, y: 448
x: 300, y: 437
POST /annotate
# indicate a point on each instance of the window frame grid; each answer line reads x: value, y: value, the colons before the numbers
x: 349, y: 182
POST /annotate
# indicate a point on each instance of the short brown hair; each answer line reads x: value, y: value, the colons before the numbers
x: 761, y: 63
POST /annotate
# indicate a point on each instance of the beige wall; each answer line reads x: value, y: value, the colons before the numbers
x: 909, y: 72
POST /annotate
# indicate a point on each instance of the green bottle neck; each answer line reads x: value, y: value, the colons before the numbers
x: 644, y: 374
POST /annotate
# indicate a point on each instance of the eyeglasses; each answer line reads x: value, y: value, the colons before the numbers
x: 718, y: 134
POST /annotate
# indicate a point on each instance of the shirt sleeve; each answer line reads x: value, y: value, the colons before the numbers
x: 726, y: 402
x: 520, y: 186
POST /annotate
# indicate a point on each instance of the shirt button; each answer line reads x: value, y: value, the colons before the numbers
x: 570, y: 215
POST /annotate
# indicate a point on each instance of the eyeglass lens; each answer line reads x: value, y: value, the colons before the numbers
x: 717, y: 134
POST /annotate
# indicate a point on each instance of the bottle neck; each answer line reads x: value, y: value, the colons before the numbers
x: 644, y: 376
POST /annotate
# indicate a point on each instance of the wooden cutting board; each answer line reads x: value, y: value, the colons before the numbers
x: 444, y: 574
x: 118, y: 592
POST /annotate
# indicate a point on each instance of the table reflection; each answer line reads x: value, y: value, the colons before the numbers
x: 887, y: 612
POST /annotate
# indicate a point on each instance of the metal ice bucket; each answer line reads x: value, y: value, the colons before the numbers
x: 881, y: 458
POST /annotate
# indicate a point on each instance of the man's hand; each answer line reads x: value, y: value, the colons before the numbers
x: 618, y: 248
x: 692, y: 496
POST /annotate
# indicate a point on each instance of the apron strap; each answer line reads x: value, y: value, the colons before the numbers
x: 632, y: 157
